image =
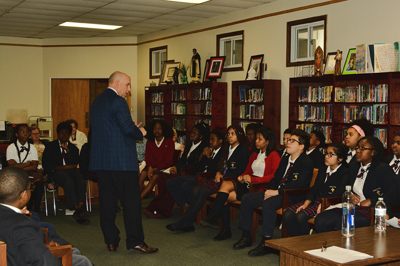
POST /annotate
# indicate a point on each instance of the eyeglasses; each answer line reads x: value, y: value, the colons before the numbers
x: 330, y: 155
x: 286, y: 139
x: 24, y: 132
x: 364, y: 148
x: 231, y: 133
x: 293, y: 140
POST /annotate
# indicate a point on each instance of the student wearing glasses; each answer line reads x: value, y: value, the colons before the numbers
x: 330, y: 182
x: 294, y: 171
x: 370, y: 178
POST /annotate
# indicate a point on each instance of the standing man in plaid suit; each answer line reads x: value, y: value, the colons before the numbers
x: 113, y: 158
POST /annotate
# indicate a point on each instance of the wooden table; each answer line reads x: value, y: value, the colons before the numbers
x: 385, y: 247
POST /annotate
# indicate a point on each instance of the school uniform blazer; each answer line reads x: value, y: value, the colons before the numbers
x: 25, y: 240
x: 211, y: 163
x: 237, y: 162
x: 318, y: 158
x: 193, y: 160
x: 389, y: 159
x: 299, y: 177
x: 334, y: 186
x: 379, y: 179
x: 271, y: 165
x: 114, y: 135
x: 52, y: 157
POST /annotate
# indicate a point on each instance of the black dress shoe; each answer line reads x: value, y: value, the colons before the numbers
x: 144, y: 248
x: 223, y: 235
x: 243, y: 243
x: 260, y: 250
x: 81, y: 213
x: 182, y: 229
x: 113, y: 247
x: 211, y: 221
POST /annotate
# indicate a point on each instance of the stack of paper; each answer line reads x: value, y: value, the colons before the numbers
x: 339, y: 255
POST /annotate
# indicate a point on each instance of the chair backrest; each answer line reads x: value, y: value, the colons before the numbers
x: 314, y: 176
x: 3, y: 254
x: 63, y: 252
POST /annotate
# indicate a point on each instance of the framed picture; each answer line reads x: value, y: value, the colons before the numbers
x: 350, y: 64
x: 215, y: 68
x: 206, y: 68
x: 168, y: 71
x: 255, y: 64
x: 160, y: 82
x: 330, y: 64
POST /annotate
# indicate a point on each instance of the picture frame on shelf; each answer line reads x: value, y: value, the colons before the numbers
x: 330, y: 63
x: 255, y: 63
x: 350, y: 64
x: 206, y: 68
x: 216, y: 66
x: 163, y: 65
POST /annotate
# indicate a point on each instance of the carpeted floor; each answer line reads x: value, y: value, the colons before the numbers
x: 192, y: 248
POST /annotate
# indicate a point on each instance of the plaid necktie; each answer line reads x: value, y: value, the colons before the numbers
x: 361, y: 174
x: 395, y: 165
x: 284, y: 179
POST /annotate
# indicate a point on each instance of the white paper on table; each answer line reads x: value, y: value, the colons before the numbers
x: 2, y: 125
x: 394, y: 222
x: 339, y: 255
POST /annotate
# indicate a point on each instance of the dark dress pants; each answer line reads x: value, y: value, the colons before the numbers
x: 330, y: 220
x: 181, y: 188
x: 296, y: 223
x: 125, y: 186
x: 269, y: 206
x: 73, y: 184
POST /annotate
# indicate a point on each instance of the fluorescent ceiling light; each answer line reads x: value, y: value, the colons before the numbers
x: 89, y: 25
x: 190, y: 1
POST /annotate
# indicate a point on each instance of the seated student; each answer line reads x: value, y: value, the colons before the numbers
x: 78, y: 138
x: 60, y: 159
x: 162, y: 205
x: 358, y: 129
x: 317, y: 142
x: 37, y: 142
x: 294, y: 171
x: 233, y: 162
x: 394, y: 159
x: 251, y: 131
x: 261, y: 168
x: 159, y: 154
x: 370, y: 176
x: 181, y: 187
x: 24, y: 155
x: 24, y: 236
x: 330, y: 182
x: 286, y: 137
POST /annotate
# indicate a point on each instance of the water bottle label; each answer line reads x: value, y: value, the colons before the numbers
x: 351, y: 221
x: 344, y: 211
x: 380, y: 212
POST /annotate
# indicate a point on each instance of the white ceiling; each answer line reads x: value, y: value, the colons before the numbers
x: 40, y: 18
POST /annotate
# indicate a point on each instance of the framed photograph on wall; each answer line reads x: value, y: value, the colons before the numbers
x: 255, y: 64
x: 206, y: 68
x: 168, y: 71
x: 215, y: 68
x: 330, y: 64
x: 161, y: 82
x: 350, y: 64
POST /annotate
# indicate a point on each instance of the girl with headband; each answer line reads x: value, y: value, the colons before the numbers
x: 358, y: 129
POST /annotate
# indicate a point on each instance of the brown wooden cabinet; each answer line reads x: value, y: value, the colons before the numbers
x: 372, y: 96
x: 257, y: 101
x: 184, y: 105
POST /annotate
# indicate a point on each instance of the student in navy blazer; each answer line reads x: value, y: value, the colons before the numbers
x: 394, y: 158
x: 370, y: 177
x: 113, y: 157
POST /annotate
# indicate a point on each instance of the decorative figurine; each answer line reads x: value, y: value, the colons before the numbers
x: 318, y: 62
x: 175, y: 76
x: 338, y: 63
x: 251, y: 74
x: 195, y: 72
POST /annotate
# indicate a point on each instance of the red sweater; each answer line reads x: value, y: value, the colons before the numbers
x: 160, y: 157
x: 271, y: 164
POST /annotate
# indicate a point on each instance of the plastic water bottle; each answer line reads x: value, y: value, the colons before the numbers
x: 380, y: 215
x: 348, y: 210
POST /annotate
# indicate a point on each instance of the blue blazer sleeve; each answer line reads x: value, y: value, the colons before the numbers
x: 238, y: 161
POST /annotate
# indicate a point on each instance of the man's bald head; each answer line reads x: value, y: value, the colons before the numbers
x: 120, y: 82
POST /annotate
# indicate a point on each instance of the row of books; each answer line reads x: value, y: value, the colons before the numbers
x: 207, y: 121
x: 178, y: 95
x: 157, y: 109
x: 362, y: 93
x: 244, y: 124
x: 381, y: 134
x: 376, y: 114
x: 157, y: 97
x: 178, y: 108
x: 252, y: 111
x: 179, y: 124
x: 248, y: 94
x: 326, y: 130
x: 203, y: 108
x: 202, y: 94
x: 315, y: 113
x: 315, y: 94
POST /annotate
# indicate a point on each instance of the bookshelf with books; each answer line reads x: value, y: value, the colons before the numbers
x: 257, y: 101
x: 375, y: 97
x: 184, y: 105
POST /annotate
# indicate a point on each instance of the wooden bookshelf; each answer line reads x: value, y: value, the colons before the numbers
x: 261, y: 105
x: 360, y: 103
x: 189, y: 103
